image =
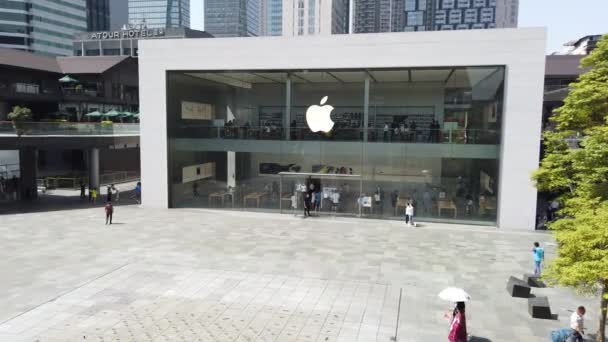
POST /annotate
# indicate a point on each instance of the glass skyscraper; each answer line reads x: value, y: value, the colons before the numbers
x: 43, y: 26
x: 98, y: 15
x: 274, y: 17
x: 430, y: 15
x: 239, y: 18
x: 159, y: 13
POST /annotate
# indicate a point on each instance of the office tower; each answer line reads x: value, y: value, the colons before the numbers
x: 378, y: 16
x: 425, y: 15
x: 98, y: 15
x: 44, y: 26
x: 119, y: 14
x: 159, y: 13
x: 472, y: 14
x: 226, y: 18
x: 254, y: 17
x: 306, y: 17
x: 272, y: 18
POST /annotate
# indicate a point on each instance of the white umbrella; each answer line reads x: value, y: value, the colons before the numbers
x: 454, y: 294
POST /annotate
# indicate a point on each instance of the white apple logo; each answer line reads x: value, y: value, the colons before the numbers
x: 318, y: 117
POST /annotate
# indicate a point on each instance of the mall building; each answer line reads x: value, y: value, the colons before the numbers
x: 449, y: 121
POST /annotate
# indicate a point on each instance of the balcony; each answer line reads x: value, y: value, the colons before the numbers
x: 29, y: 92
x: 412, y: 136
x: 74, y: 129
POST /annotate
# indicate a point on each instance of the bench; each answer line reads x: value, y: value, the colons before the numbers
x: 518, y: 288
x: 538, y: 307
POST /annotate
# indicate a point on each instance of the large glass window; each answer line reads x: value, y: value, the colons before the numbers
x: 364, y: 142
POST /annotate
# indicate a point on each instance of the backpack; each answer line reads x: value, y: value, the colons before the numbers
x: 561, y: 335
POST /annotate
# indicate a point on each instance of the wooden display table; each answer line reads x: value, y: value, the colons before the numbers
x: 220, y: 195
x: 257, y: 196
x: 446, y: 204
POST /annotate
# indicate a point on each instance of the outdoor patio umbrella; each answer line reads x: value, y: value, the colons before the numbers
x: 454, y: 294
x: 126, y: 114
x: 67, y: 79
x: 112, y: 113
x: 94, y: 114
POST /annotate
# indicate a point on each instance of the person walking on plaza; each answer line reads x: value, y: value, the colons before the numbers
x: 577, y: 324
x: 409, y: 214
x: 109, y: 211
x: 539, y: 258
x: 115, y: 192
x: 109, y: 194
x: 458, y: 325
x: 137, y: 195
x: 307, y: 203
x: 93, y: 195
x: 82, y: 190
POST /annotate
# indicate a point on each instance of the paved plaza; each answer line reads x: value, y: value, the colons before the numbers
x: 202, y: 275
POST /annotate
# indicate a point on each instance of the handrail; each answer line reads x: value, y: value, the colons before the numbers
x: 69, y: 128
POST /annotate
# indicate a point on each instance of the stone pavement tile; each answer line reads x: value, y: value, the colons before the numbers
x: 179, y: 272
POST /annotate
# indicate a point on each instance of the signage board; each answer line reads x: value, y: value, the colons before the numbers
x: 128, y: 34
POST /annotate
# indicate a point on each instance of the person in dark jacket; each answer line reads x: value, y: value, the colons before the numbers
x: 109, y: 208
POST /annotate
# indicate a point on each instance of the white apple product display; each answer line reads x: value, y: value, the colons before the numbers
x: 365, y: 201
x: 318, y: 118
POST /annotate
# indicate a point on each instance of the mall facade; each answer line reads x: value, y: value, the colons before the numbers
x: 448, y: 121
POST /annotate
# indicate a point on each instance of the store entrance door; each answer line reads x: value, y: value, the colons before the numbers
x: 320, y: 194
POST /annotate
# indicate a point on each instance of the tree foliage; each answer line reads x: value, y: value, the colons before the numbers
x: 576, y: 167
x: 20, y: 114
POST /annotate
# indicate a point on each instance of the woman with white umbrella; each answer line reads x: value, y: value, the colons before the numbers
x: 458, y: 323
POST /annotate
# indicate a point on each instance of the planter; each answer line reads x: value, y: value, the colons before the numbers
x: 19, y: 128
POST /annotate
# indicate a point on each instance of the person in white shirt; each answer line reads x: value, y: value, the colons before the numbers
x: 577, y: 325
x: 409, y: 214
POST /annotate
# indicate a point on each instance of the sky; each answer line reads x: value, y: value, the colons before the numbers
x: 565, y: 20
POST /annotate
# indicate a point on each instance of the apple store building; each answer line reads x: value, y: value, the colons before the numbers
x: 359, y: 125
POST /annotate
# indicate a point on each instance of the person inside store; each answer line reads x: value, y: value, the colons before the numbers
x: 378, y: 197
x: 412, y: 131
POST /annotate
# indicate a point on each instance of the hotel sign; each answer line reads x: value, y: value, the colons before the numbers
x: 128, y: 34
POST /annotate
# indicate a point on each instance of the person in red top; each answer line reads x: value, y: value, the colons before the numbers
x: 109, y: 211
x: 458, y: 327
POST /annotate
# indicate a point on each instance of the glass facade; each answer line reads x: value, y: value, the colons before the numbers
x: 98, y: 15
x: 159, y: 13
x: 44, y: 26
x: 275, y: 17
x: 247, y: 141
x: 227, y: 18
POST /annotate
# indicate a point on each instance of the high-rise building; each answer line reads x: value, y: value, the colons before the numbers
x: 378, y: 16
x: 119, y: 14
x: 42, y: 26
x: 272, y: 17
x: 98, y: 15
x: 159, y: 13
x: 471, y: 14
x: 426, y: 15
x: 226, y: 18
x: 308, y: 17
x: 254, y: 17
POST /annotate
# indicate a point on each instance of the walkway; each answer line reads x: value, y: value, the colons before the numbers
x: 199, y: 275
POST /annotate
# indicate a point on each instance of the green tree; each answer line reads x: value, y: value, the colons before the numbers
x: 18, y: 116
x: 576, y: 166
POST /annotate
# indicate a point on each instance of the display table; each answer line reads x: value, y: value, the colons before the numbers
x: 401, y: 203
x: 257, y: 196
x: 446, y: 204
x: 221, y: 196
x: 486, y: 203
